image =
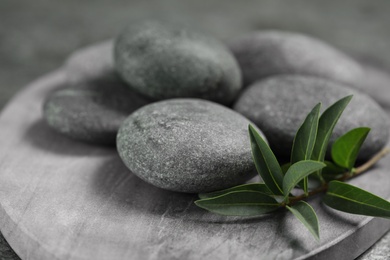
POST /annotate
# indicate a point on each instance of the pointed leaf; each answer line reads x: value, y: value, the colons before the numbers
x: 346, y: 148
x: 260, y: 187
x: 306, y: 136
x: 240, y: 203
x: 297, y: 172
x: 332, y: 171
x: 266, y: 163
x: 351, y: 199
x: 326, y: 125
x: 304, y: 140
x: 306, y: 214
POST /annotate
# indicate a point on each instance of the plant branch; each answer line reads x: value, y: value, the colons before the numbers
x: 346, y: 176
x: 372, y: 161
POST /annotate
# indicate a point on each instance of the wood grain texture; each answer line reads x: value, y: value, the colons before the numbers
x: 63, y: 199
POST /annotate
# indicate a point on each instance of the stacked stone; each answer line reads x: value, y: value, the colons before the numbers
x: 166, y: 97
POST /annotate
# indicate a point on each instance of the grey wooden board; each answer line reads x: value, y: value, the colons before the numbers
x: 62, y: 199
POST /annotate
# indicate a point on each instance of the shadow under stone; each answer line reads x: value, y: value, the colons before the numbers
x: 114, y: 182
x: 41, y: 136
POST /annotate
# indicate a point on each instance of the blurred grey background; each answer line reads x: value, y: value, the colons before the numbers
x: 36, y: 36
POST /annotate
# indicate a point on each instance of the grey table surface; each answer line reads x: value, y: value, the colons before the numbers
x: 36, y: 36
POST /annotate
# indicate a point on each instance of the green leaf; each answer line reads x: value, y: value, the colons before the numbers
x: 240, y: 203
x: 346, y: 148
x: 260, y: 187
x: 304, y: 140
x: 306, y: 136
x: 351, y: 199
x: 332, y: 171
x: 297, y: 172
x: 266, y: 163
x: 326, y: 125
x: 306, y: 214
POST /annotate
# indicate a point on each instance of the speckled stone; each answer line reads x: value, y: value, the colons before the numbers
x: 91, y: 111
x: 376, y: 83
x: 187, y: 145
x: 164, y: 61
x: 267, y: 53
x: 278, y: 105
x: 94, y: 62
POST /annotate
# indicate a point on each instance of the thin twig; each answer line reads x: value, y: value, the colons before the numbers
x: 346, y: 176
x: 372, y: 161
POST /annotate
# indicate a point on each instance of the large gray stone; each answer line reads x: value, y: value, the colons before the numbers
x: 187, y: 145
x: 162, y: 61
x: 56, y: 194
x: 93, y: 62
x: 91, y: 111
x: 267, y: 53
x: 376, y: 83
x: 279, y: 105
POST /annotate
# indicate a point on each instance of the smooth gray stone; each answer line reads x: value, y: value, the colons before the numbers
x: 187, y: 145
x: 266, y: 53
x: 376, y: 83
x: 279, y: 105
x: 376, y: 79
x: 61, y: 199
x: 93, y: 62
x: 357, y: 26
x: 165, y: 61
x: 91, y: 111
x: 96, y: 62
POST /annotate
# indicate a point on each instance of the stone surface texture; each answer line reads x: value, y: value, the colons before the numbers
x: 267, y: 53
x: 91, y: 111
x: 62, y: 199
x: 43, y: 31
x: 96, y: 62
x: 165, y: 61
x: 278, y: 105
x: 187, y: 145
x: 376, y: 83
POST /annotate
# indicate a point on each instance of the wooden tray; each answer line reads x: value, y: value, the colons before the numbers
x: 63, y: 199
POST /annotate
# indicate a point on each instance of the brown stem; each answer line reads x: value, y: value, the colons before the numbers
x: 372, y: 161
x: 346, y: 176
x: 316, y: 191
